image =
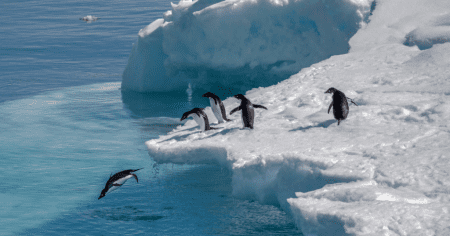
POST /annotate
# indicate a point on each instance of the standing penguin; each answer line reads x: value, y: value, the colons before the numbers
x: 217, y: 107
x: 200, y: 117
x: 118, y: 180
x: 339, y: 104
x: 248, y: 113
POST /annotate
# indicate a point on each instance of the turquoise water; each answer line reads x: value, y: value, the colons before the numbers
x: 66, y: 126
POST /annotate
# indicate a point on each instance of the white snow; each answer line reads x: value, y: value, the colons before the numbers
x: 239, y: 44
x: 385, y: 170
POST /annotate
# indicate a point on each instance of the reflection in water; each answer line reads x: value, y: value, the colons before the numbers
x: 189, y: 93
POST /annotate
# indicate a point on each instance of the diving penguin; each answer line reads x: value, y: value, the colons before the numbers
x: 339, y: 104
x: 248, y: 113
x: 217, y: 107
x: 118, y: 180
x: 200, y: 117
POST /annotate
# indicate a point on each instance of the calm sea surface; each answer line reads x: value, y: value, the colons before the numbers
x: 66, y: 126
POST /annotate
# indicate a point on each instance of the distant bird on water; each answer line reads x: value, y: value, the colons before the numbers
x: 89, y: 18
x: 339, y: 104
x: 118, y: 180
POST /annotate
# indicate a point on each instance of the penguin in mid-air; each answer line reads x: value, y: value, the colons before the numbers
x: 200, y: 117
x: 248, y: 111
x: 339, y: 104
x: 117, y: 180
x: 217, y: 107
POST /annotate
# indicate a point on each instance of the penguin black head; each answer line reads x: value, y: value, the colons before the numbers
x: 193, y: 111
x: 240, y: 97
x: 102, y: 194
x: 185, y: 115
x: 331, y: 90
x: 208, y: 95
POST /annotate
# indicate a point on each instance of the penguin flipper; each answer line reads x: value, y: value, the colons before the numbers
x: 235, y: 110
x: 135, y: 176
x: 329, y: 108
x: 351, y: 100
x: 259, y: 106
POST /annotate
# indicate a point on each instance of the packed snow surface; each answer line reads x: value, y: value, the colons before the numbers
x: 239, y: 44
x: 385, y: 170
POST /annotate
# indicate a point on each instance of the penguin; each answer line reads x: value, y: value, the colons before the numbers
x: 117, y: 180
x: 339, y: 104
x: 200, y: 117
x: 248, y: 113
x: 217, y: 107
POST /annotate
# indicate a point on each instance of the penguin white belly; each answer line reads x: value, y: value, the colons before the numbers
x: 199, y: 121
x: 119, y: 181
x: 216, y: 110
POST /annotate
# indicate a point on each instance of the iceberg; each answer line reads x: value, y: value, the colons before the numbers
x: 383, y: 171
x: 236, y: 45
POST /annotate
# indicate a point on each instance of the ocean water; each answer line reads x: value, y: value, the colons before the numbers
x: 66, y: 126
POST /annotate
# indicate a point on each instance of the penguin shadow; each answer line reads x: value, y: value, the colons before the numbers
x: 182, y: 137
x: 324, y: 124
x: 221, y: 132
x: 125, y: 213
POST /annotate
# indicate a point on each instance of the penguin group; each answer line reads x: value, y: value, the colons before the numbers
x: 340, y: 111
x: 247, y: 108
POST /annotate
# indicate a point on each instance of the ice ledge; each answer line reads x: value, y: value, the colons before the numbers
x: 384, y: 170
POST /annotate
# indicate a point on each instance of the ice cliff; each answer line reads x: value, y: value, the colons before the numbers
x: 239, y: 44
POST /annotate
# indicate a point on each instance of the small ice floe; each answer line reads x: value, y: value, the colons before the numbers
x: 89, y: 18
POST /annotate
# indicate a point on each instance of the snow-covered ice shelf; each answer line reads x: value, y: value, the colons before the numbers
x: 384, y: 171
x: 239, y: 44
